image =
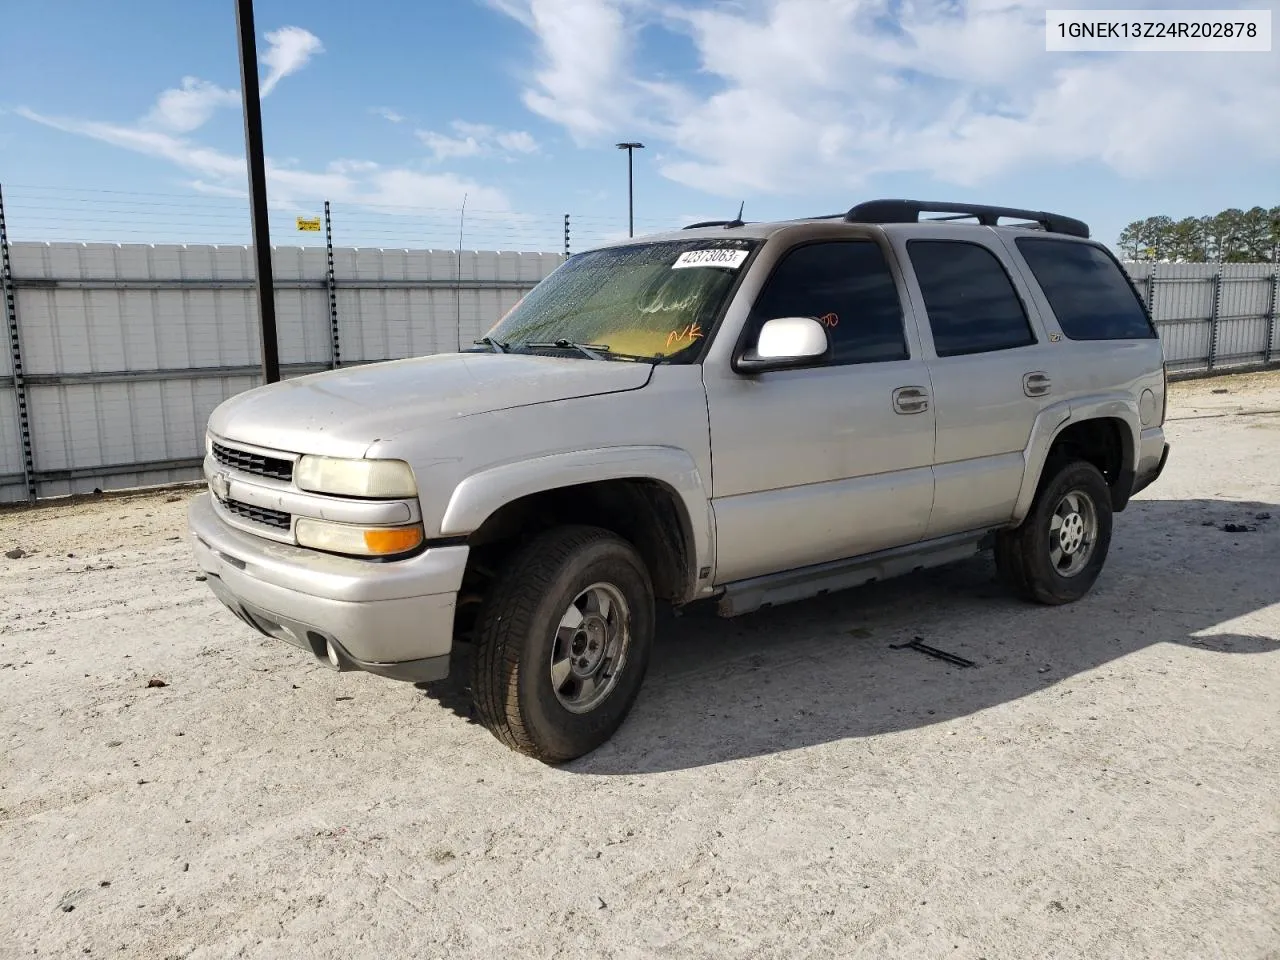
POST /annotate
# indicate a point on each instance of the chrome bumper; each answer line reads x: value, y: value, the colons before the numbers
x: 393, y: 619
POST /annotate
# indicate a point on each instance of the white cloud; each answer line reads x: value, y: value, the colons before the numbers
x: 288, y: 51
x: 218, y: 190
x: 476, y: 140
x: 202, y: 160
x: 517, y: 141
x: 410, y: 189
x: 516, y: 9
x: 444, y: 147
x: 585, y: 60
x: 186, y: 108
x: 360, y: 182
x: 352, y: 166
x: 793, y: 93
x: 386, y: 113
x: 162, y: 134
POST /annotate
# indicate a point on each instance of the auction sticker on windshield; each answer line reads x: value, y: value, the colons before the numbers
x: 710, y: 258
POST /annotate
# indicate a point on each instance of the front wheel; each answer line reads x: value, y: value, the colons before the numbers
x: 563, y: 642
x: 1057, y: 552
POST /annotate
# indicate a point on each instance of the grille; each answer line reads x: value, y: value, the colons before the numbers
x: 253, y: 463
x: 271, y: 518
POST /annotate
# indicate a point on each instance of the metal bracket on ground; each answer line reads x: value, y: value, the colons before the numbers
x: 918, y: 644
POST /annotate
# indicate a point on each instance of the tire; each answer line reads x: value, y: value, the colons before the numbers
x: 1040, y: 562
x: 527, y: 691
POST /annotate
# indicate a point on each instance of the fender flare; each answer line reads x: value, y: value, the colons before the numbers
x: 1055, y: 418
x: 479, y: 496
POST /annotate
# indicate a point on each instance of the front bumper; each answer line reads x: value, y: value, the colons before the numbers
x: 392, y: 619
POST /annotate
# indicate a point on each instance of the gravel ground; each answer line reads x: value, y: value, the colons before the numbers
x: 1101, y: 784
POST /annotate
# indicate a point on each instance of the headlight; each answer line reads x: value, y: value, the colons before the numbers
x: 376, y: 479
x: 357, y: 541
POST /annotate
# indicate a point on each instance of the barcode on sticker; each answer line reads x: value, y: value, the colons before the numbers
x: 710, y: 258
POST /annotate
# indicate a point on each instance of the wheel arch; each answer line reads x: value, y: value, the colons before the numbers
x: 1104, y: 430
x: 654, y: 496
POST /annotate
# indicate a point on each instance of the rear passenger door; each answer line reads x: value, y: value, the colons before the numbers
x: 991, y: 368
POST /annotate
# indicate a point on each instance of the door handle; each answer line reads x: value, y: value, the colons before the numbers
x: 910, y: 400
x: 1036, y: 384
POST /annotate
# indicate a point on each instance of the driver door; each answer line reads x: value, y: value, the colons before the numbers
x: 834, y: 460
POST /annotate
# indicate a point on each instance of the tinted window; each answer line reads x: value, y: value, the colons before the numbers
x: 848, y: 286
x: 1090, y: 297
x: 970, y: 300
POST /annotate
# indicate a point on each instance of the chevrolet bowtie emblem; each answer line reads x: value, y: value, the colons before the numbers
x: 220, y: 484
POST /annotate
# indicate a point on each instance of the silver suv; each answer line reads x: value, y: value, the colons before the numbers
x: 746, y: 414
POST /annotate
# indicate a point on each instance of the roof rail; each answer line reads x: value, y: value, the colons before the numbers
x: 908, y: 211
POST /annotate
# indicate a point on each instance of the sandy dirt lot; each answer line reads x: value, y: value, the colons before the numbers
x: 1103, y: 783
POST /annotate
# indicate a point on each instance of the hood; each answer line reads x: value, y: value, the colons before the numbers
x: 342, y: 412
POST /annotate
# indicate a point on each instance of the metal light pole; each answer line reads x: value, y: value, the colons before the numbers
x: 257, y: 189
x: 631, y: 212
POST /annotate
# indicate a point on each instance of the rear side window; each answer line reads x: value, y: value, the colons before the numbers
x: 969, y: 297
x: 1089, y: 295
x: 847, y: 285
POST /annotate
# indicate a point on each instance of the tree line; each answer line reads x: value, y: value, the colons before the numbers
x: 1232, y: 236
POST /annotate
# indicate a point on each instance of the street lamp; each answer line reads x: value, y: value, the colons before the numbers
x: 631, y: 213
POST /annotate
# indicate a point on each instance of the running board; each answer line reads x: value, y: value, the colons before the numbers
x: 744, y: 596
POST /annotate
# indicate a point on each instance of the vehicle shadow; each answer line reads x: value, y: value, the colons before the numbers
x: 833, y: 668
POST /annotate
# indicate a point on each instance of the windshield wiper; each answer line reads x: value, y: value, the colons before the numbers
x: 498, y: 345
x: 592, y: 351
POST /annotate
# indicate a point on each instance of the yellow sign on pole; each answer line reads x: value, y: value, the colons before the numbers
x: 309, y: 223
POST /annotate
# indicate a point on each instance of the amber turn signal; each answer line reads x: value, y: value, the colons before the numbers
x: 392, y: 540
x: 355, y: 540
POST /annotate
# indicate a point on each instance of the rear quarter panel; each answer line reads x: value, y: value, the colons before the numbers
x: 1096, y: 366
x: 1095, y: 378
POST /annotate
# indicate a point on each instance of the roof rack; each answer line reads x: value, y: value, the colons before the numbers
x: 908, y: 211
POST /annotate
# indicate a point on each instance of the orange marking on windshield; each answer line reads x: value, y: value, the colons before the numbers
x: 691, y: 333
x: 829, y: 319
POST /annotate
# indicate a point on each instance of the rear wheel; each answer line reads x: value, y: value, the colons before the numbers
x: 1057, y: 552
x: 563, y: 643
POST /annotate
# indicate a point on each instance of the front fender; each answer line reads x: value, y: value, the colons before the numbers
x: 481, y: 494
x: 1053, y: 419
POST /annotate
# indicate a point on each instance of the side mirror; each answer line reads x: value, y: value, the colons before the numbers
x: 785, y: 343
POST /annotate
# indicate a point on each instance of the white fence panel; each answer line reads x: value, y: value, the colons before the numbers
x: 12, y: 482
x: 302, y: 313
x: 1211, y: 315
x: 1243, y: 316
x: 12, y: 485
x: 128, y: 348
x: 79, y: 428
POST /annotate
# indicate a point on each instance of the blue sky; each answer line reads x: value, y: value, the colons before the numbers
x: 121, y: 121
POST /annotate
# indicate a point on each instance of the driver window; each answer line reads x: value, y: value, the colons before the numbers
x: 846, y: 285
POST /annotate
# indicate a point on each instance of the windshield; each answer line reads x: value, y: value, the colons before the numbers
x: 651, y: 301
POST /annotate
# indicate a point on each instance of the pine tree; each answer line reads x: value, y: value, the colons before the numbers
x: 1230, y: 236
